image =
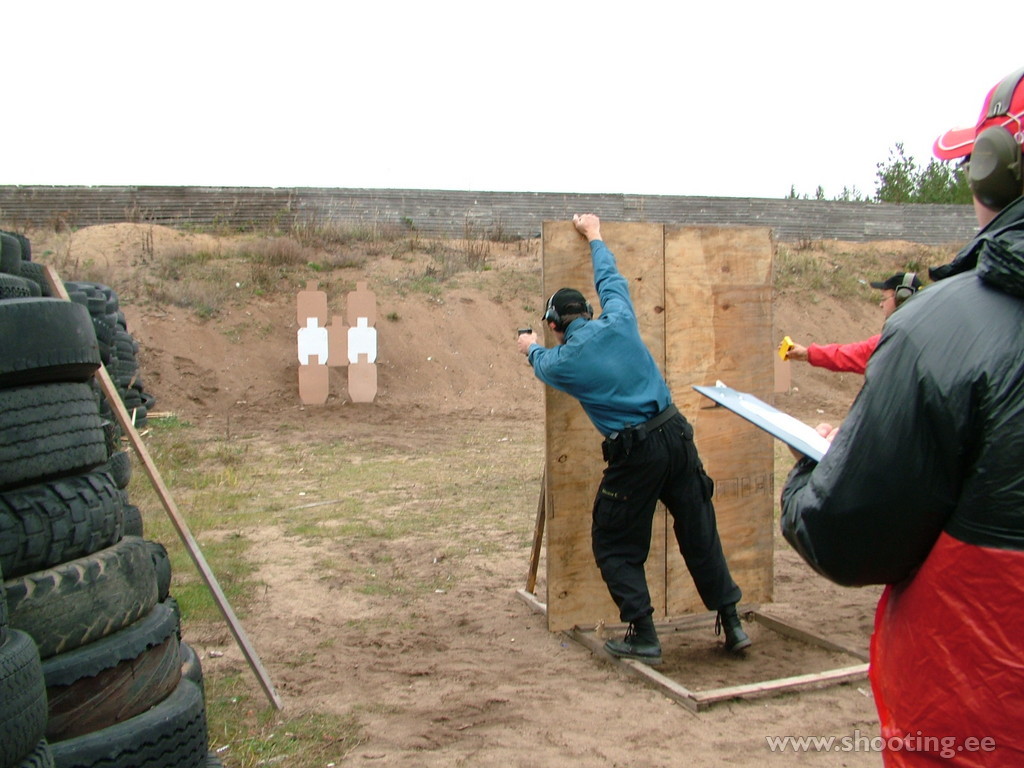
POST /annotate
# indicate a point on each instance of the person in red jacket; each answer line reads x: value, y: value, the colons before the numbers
x: 853, y: 358
x: 922, y: 489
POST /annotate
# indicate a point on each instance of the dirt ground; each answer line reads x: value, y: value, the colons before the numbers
x: 478, y: 680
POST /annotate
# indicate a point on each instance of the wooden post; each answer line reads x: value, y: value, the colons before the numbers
x: 538, y: 538
x: 114, y: 398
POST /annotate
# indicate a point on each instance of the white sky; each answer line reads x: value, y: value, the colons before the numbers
x: 742, y: 99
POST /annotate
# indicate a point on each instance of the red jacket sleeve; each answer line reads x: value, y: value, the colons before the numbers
x: 843, y: 357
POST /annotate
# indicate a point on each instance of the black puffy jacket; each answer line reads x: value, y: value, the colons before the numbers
x: 935, y: 439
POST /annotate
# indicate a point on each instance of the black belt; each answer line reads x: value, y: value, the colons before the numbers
x: 623, y: 441
x: 652, y: 424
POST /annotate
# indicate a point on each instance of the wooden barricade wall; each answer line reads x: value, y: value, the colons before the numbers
x: 703, y: 302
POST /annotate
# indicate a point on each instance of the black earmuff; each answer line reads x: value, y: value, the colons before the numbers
x: 551, y: 314
x: 994, y: 171
x: 906, y: 288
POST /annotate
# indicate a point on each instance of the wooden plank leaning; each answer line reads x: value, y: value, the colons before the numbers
x: 538, y: 537
x: 110, y: 391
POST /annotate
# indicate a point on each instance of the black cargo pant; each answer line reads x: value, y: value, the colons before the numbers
x: 660, y: 465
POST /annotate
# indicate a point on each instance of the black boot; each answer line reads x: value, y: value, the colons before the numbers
x: 640, y: 643
x: 735, y: 638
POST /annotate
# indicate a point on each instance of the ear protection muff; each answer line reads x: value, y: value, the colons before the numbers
x: 994, y: 167
x: 906, y: 288
x: 994, y: 171
x: 551, y: 314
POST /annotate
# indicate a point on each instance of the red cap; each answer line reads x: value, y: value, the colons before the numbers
x: 1004, y: 107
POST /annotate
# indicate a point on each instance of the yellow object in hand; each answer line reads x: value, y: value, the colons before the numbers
x: 785, y: 346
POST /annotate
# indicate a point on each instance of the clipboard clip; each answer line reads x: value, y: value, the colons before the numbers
x: 714, y: 403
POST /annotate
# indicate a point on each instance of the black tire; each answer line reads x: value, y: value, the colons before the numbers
x: 50, y: 523
x: 46, y: 340
x: 3, y: 611
x: 26, y: 248
x: 191, y: 667
x: 170, y: 735
x: 89, y: 660
x: 132, y: 397
x: 48, y: 431
x: 127, y: 346
x: 104, y: 332
x: 113, y: 679
x: 133, y: 525
x: 15, y: 287
x: 162, y: 567
x: 108, y: 293
x: 10, y: 253
x: 22, y: 699
x: 40, y: 757
x: 33, y: 271
x: 112, y: 433
x: 119, y: 465
x: 83, y: 600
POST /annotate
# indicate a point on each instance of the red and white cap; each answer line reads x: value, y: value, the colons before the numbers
x: 1003, y: 107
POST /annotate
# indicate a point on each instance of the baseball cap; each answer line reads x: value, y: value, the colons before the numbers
x: 1003, y: 107
x: 894, y: 282
x: 568, y: 301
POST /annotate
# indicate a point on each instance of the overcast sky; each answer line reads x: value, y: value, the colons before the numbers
x: 741, y: 99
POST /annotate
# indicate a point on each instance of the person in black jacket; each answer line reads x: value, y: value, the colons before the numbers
x: 922, y: 488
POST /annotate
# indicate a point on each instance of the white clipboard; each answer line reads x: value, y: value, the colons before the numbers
x: 786, y: 428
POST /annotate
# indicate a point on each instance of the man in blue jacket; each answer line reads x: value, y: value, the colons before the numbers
x: 649, y: 447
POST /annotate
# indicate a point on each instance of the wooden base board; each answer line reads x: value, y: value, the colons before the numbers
x: 699, y: 701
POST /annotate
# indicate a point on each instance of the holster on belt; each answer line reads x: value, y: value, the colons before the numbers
x: 619, y: 444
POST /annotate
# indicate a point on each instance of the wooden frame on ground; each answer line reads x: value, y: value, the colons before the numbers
x: 700, y: 700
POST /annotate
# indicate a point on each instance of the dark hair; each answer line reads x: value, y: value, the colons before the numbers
x: 576, y: 313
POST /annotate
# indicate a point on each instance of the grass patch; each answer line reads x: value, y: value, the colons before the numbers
x: 316, y: 232
x: 245, y: 734
x: 452, y: 257
x: 427, y: 283
x: 832, y: 269
x: 814, y: 274
x: 209, y: 491
x: 323, y: 495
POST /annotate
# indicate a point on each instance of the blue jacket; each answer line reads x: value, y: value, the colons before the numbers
x: 604, y: 362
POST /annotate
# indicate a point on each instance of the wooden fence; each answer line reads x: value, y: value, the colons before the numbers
x: 495, y: 215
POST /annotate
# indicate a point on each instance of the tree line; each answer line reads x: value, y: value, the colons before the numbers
x: 901, y: 179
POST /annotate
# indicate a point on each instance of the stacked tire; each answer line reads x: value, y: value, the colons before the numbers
x: 20, y: 277
x: 23, y: 708
x: 93, y: 671
x: 118, y: 348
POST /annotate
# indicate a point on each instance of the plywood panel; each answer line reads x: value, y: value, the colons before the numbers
x: 576, y: 593
x: 718, y: 327
x: 703, y: 302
